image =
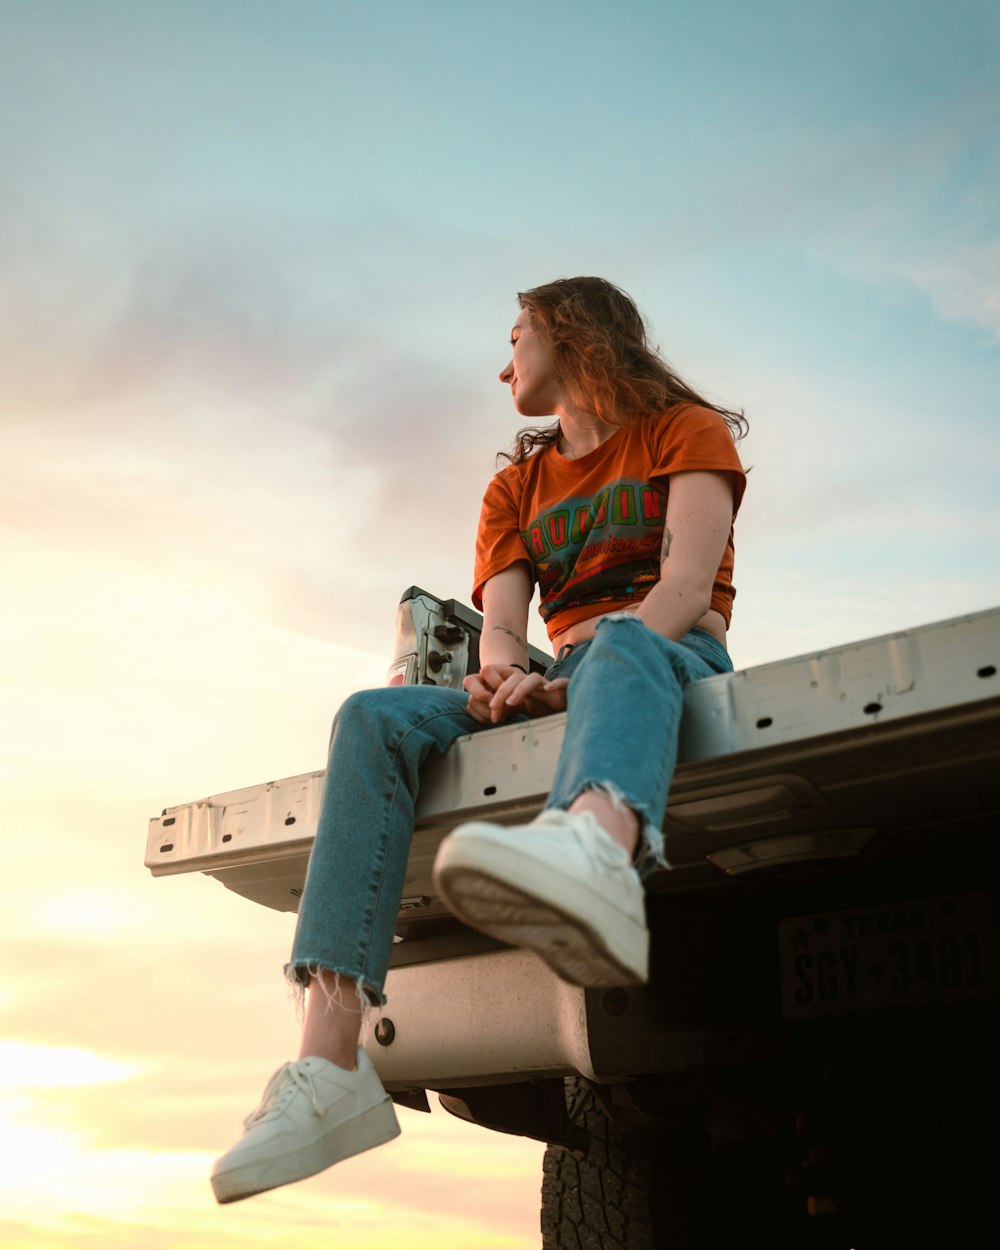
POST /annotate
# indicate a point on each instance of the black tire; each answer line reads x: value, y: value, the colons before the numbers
x: 597, y: 1199
x: 924, y: 1183
x: 668, y: 1190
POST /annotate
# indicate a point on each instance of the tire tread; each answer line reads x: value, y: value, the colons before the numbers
x: 598, y: 1200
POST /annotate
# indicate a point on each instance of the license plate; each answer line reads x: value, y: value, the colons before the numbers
x: 904, y: 954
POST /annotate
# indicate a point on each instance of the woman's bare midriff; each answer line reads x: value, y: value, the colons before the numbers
x: 712, y: 623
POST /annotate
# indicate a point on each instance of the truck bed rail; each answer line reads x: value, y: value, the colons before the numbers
x: 802, y: 759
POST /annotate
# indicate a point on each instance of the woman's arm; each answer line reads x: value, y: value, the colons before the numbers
x: 503, y: 644
x: 503, y: 684
x: 506, y: 597
x: 699, y: 518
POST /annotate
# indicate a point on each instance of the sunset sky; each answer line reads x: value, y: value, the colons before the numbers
x: 259, y: 265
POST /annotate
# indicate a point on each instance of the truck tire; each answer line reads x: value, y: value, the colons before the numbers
x: 597, y: 1199
x: 664, y: 1190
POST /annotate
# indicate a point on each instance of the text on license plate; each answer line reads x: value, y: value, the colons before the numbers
x: 928, y: 951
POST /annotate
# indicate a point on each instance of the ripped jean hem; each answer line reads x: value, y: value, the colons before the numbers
x: 650, y: 854
x: 306, y: 974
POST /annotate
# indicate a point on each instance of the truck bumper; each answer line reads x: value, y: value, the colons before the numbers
x: 482, y: 1020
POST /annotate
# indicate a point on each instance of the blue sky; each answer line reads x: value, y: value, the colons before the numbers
x: 260, y: 264
x: 308, y: 221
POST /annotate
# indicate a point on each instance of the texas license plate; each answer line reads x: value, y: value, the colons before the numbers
x: 930, y: 951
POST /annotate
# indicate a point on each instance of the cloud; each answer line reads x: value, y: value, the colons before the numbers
x: 222, y: 411
x: 918, y: 210
x: 963, y: 285
x: 443, y: 1183
x: 118, y: 678
x: 55, y: 1067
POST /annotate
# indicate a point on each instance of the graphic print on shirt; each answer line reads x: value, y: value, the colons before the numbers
x: 593, y: 549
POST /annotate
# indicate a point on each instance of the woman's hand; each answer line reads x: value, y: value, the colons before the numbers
x: 498, y: 691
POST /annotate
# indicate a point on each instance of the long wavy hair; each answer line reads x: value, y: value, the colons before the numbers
x: 603, y: 360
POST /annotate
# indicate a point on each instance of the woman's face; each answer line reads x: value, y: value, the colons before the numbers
x: 531, y: 373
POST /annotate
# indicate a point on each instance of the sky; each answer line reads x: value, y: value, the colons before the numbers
x: 259, y: 267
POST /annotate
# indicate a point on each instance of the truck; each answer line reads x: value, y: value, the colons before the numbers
x: 813, y: 1060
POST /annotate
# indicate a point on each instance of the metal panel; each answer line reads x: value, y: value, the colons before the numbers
x: 497, y: 1018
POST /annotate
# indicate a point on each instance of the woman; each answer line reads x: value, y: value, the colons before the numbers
x: 622, y: 512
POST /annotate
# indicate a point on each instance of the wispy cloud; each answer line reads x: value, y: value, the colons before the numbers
x: 964, y: 285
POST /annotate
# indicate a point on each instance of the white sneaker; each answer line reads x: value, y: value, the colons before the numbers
x: 312, y: 1115
x: 559, y: 886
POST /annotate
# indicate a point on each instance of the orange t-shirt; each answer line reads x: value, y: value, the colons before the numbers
x: 592, y: 528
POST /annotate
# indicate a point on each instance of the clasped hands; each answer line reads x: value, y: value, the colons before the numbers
x: 498, y: 691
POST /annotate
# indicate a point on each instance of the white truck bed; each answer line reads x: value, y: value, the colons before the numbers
x: 774, y: 763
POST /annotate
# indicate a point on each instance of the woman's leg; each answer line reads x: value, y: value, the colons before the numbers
x: 562, y: 885
x: 329, y: 1103
x: 331, y: 1019
x: 357, y: 868
x: 625, y: 701
x: 620, y: 823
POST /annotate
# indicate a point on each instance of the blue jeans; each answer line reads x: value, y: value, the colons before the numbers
x: 625, y: 700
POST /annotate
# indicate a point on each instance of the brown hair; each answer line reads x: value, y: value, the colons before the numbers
x: 603, y: 360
